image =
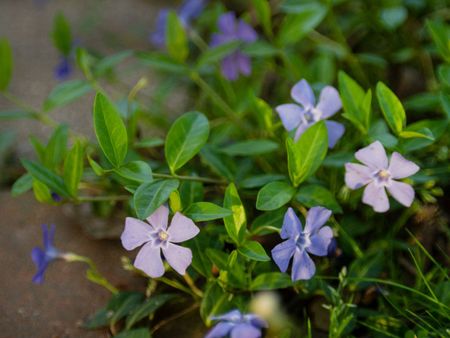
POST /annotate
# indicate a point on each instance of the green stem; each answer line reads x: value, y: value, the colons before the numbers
x: 190, y: 178
x: 192, y: 285
x: 357, y: 250
x: 92, y: 273
x: 103, y: 198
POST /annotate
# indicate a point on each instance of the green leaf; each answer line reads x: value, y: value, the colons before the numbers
x: 98, y: 170
x: 56, y: 147
x: 260, y: 180
x: 263, y: 12
x: 185, y: 138
x: 6, y: 64
x: 415, y: 134
x: 110, y: 130
x: 237, y: 222
x: 176, y: 40
x: 216, y: 54
x: 356, y: 102
x: 73, y: 168
x: 440, y: 32
x: 129, y: 304
x: 62, y: 36
x: 250, y: 148
x: 147, y: 308
x: 41, y: 192
x: 46, y: 176
x: 149, y: 143
x: 135, y: 333
x: 316, y: 195
x: 392, y: 108
x: 22, y: 185
x: 16, y: 114
x: 274, y: 195
x: 221, y: 164
x: 66, y: 93
x: 137, y: 171
x: 306, y: 156
x: 268, y: 222
x: 200, y: 259
x: 162, y: 62
x: 445, y: 103
x: 109, y: 62
x: 190, y: 192
x: 300, y: 22
x: 205, y: 211
x: 214, y: 302
x: 254, y: 250
x: 271, y: 281
x: 260, y: 49
x: 150, y: 196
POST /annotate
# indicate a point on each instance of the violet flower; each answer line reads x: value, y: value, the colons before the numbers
x: 378, y: 173
x: 188, y: 11
x: 233, y: 29
x: 156, y: 237
x: 315, y: 239
x: 303, y: 115
x: 43, y: 257
x: 236, y: 325
x: 64, y: 68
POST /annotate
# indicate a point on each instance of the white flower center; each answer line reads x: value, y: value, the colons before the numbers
x: 382, y: 177
x: 311, y: 115
x: 162, y: 235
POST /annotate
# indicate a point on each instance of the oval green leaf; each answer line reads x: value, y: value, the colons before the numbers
x: 205, y: 211
x: 150, y: 196
x: 274, y: 195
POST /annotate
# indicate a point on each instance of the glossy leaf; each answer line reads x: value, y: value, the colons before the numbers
x: 6, y: 64
x: 150, y: 196
x: 254, y: 251
x: 22, y: 185
x: 271, y: 281
x: 147, y: 308
x: 73, y: 168
x: 316, y: 195
x: 274, y: 195
x: 250, y: 148
x: 237, y: 222
x: 56, y: 147
x: 136, y: 171
x: 205, y: 211
x: 62, y: 35
x: 176, y: 39
x: 66, y: 93
x: 392, y: 108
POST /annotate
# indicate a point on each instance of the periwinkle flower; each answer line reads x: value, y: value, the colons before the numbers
x: 237, y: 325
x: 63, y: 69
x: 188, y: 11
x: 378, y: 173
x: 43, y: 257
x: 156, y: 236
x: 314, y: 239
x: 305, y: 112
x: 233, y: 29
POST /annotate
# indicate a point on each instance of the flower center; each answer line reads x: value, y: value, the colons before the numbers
x: 303, y: 240
x: 382, y: 176
x: 162, y: 235
x: 312, y: 115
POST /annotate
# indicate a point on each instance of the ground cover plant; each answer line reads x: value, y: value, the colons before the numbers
x: 301, y: 193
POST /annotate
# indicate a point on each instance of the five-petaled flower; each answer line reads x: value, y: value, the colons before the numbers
x: 314, y: 239
x: 293, y: 116
x: 42, y: 258
x: 189, y: 10
x: 156, y: 236
x: 235, y: 325
x: 378, y: 173
x: 233, y: 29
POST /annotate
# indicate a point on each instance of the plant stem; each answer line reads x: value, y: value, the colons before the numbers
x: 192, y: 285
x: 103, y: 198
x: 190, y: 178
x: 175, y: 316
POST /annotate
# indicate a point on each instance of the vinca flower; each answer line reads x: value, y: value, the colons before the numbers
x: 63, y: 69
x: 189, y: 10
x: 237, y: 325
x: 156, y: 236
x: 314, y: 239
x: 232, y: 29
x: 305, y: 112
x: 378, y: 174
x: 43, y: 257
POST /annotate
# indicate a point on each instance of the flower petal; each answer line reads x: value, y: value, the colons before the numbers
x: 245, y: 330
x: 303, y: 267
x: 290, y: 115
x: 227, y: 23
x: 400, y: 167
x: 191, y: 9
x: 303, y: 94
x: 317, y: 216
x: 373, y: 156
x: 158, y: 37
x: 149, y: 260
x: 357, y: 175
x: 300, y: 130
x: 178, y: 257
x: 329, y: 102
x: 181, y: 229
x: 245, y: 32
x: 38, y: 256
x: 335, y: 132
x: 320, y: 242
x: 282, y: 254
x: 291, y: 225
x: 135, y: 234
x: 375, y: 196
x: 255, y: 320
x: 49, y: 235
x: 232, y: 316
x: 160, y: 218
x: 402, y: 192
x: 220, y: 330
x: 229, y: 67
x: 244, y: 63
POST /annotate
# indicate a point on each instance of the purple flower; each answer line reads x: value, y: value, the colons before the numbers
x: 303, y: 116
x: 156, y: 236
x: 232, y: 29
x: 63, y: 69
x: 189, y: 10
x: 42, y: 258
x: 315, y: 239
x: 236, y: 325
x: 377, y: 174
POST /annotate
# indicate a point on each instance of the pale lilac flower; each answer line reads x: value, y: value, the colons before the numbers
x: 303, y: 115
x: 233, y: 29
x: 234, y: 324
x: 42, y: 258
x: 189, y: 10
x: 155, y: 237
x: 314, y: 239
x: 377, y: 174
